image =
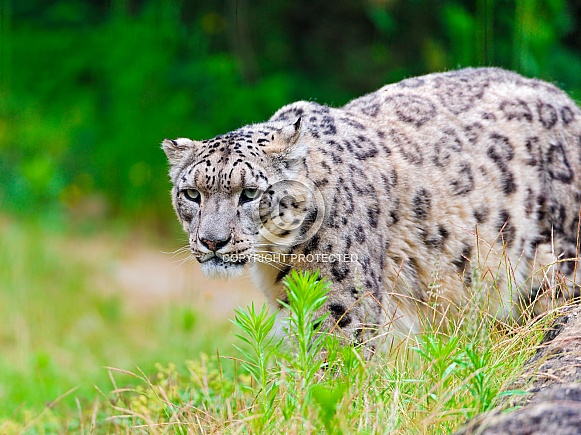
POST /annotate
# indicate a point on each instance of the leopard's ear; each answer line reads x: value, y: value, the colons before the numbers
x: 287, y: 144
x: 291, y: 132
x: 177, y: 149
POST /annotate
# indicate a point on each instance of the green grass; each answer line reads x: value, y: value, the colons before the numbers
x: 434, y: 386
x: 172, y: 371
x: 64, y: 321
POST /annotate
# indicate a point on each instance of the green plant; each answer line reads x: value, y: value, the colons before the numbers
x: 305, y: 381
x: 302, y: 357
x: 307, y: 294
x: 257, y: 332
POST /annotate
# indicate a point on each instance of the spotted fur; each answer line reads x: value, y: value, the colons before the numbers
x: 422, y: 182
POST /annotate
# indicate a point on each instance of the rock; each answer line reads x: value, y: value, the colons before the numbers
x: 553, y: 417
x: 551, y: 377
x: 557, y: 360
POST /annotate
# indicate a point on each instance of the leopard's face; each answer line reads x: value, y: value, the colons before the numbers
x: 241, y: 196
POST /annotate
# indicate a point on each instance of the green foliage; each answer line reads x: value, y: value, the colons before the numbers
x: 453, y: 361
x: 307, y: 383
x: 302, y: 356
x: 90, y: 90
x: 306, y: 295
x: 65, y: 319
x: 257, y: 328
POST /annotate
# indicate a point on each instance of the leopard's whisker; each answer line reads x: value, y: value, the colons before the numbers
x: 271, y: 264
x: 177, y: 251
x: 188, y: 259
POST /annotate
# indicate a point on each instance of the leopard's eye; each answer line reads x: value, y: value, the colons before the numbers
x: 192, y: 195
x: 248, y: 194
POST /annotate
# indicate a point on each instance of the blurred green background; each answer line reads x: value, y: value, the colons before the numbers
x: 90, y: 88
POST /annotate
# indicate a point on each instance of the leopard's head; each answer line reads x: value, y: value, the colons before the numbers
x: 243, y: 195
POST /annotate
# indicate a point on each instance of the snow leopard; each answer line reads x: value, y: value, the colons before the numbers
x: 402, y: 199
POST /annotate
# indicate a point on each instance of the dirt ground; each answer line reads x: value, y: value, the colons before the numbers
x: 147, y: 275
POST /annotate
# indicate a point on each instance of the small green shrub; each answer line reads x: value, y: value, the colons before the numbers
x: 305, y: 381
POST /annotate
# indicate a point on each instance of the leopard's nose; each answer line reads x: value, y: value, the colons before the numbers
x: 214, y: 244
